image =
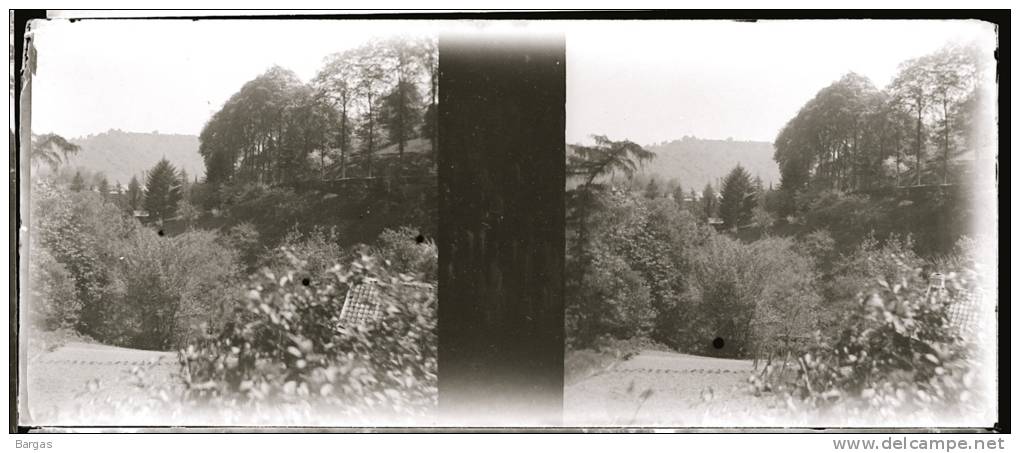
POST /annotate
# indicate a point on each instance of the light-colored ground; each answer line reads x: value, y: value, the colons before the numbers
x: 657, y: 388
x: 55, y: 378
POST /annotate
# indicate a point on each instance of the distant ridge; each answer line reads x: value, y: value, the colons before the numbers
x: 695, y: 162
x: 120, y: 155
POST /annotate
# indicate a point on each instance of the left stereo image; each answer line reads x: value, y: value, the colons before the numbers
x: 224, y: 227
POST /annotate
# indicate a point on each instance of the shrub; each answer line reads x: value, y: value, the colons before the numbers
x: 51, y: 302
x: 244, y: 239
x: 849, y: 218
x: 283, y: 347
x: 894, y: 354
x: 168, y: 287
x: 401, y: 247
x: 865, y: 264
x: 752, y: 296
x: 611, y: 300
x: 319, y: 248
x: 80, y: 232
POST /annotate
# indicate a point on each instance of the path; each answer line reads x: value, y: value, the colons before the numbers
x: 54, y: 378
x: 685, y: 390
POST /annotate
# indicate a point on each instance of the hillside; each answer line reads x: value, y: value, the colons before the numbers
x: 120, y: 155
x: 695, y: 162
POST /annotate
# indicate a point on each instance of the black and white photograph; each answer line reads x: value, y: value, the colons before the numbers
x: 781, y: 223
x: 430, y: 221
x: 230, y: 228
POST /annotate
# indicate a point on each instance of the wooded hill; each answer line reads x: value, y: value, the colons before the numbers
x: 694, y: 162
x: 120, y: 155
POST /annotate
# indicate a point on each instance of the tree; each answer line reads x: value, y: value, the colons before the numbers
x: 337, y: 81
x: 738, y: 198
x: 678, y: 196
x: 652, y: 189
x: 955, y: 74
x: 77, y: 183
x: 187, y: 212
x: 103, y: 186
x: 135, y: 196
x: 402, y: 105
x: 52, y: 150
x: 606, y: 157
x: 430, y: 61
x: 372, y: 78
x: 709, y: 204
x: 913, y: 88
x: 264, y: 132
x: 162, y: 191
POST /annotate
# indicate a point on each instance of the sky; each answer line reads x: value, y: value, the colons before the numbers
x: 657, y: 81
x: 647, y: 81
x: 172, y: 75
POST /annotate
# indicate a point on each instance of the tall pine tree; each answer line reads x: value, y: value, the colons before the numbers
x: 738, y: 198
x: 162, y: 191
x: 77, y: 183
x: 134, y: 195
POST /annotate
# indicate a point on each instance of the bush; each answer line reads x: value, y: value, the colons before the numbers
x: 51, y: 302
x: 893, y: 356
x: 612, y: 300
x: 244, y: 239
x: 406, y: 254
x: 870, y: 261
x: 283, y: 346
x: 647, y: 244
x: 849, y: 218
x: 319, y: 248
x: 752, y: 296
x: 80, y: 231
x: 168, y: 287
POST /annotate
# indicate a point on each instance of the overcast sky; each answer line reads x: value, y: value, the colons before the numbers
x: 172, y: 75
x: 648, y: 81
x: 657, y: 81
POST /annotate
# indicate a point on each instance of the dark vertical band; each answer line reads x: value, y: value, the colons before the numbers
x: 501, y: 229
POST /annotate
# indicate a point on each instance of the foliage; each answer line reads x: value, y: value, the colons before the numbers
x: 407, y: 251
x: 135, y: 197
x: 626, y: 280
x: 738, y: 198
x: 243, y: 238
x: 162, y: 191
x: 870, y: 261
x: 167, y: 287
x: 893, y: 353
x: 51, y: 301
x: 77, y: 183
x: 188, y: 212
x: 128, y: 286
x: 605, y: 158
x: 80, y: 231
x: 319, y: 248
x: 709, y: 203
x: 854, y: 137
x: 51, y: 150
x: 283, y: 346
x: 847, y: 217
x: 752, y: 296
x: 610, y: 300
